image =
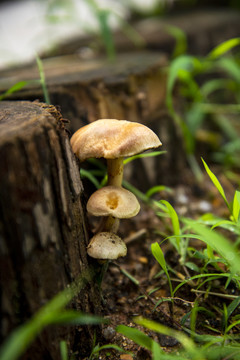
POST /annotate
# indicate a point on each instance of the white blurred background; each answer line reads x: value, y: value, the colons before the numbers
x: 31, y: 26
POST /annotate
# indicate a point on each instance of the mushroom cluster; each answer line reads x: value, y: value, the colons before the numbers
x: 113, y: 140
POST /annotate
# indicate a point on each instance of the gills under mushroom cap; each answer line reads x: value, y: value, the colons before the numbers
x: 115, y: 201
x: 105, y: 245
x: 111, y: 139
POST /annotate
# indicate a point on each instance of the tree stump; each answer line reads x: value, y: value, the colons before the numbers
x: 132, y: 88
x: 43, y: 234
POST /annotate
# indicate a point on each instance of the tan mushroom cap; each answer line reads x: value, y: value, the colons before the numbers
x: 115, y: 201
x: 105, y: 245
x: 111, y: 139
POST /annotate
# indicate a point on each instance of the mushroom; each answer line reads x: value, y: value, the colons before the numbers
x: 106, y: 246
x: 114, y: 202
x: 113, y: 140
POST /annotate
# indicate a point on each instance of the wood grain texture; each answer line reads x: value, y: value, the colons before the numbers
x: 43, y: 233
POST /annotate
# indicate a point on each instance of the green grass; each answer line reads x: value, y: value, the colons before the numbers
x: 53, y: 312
x: 213, y: 100
x: 218, y: 250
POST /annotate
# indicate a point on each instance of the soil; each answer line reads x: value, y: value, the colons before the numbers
x: 124, y: 298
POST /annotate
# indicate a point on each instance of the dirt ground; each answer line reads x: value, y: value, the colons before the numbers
x: 123, y: 298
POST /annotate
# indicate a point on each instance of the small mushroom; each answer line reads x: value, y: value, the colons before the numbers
x: 113, y: 140
x: 106, y: 246
x: 114, y: 202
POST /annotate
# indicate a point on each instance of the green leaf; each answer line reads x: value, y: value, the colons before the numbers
x: 192, y: 266
x: 180, y: 37
x: 156, y: 189
x: 187, y: 343
x: 144, y: 155
x: 236, y: 206
x: 87, y: 174
x: 174, y: 217
x: 63, y: 350
x: 219, y: 243
x: 73, y: 317
x: 235, y: 323
x: 158, y: 254
x: 216, y: 183
x: 139, y: 338
x: 16, y: 87
x: 98, y: 348
x: 129, y: 276
x: 43, y: 80
x: 231, y: 307
x: 22, y: 337
x: 184, y: 62
x: 231, y: 66
x: 223, y: 48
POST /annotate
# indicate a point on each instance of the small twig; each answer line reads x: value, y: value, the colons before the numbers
x: 138, y: 235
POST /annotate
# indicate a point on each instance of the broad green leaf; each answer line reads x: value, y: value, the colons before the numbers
x: 223, y: 48
x: 216, y: 183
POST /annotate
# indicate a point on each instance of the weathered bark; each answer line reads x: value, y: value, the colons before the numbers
x: 132, y: 88
x: 43, y: 234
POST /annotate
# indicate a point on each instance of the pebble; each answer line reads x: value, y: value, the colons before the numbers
x: 109, y: 333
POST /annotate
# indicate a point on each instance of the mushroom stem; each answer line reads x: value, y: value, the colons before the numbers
x: 115, y: 176
x: 108, y: 223
x: 115, y: 171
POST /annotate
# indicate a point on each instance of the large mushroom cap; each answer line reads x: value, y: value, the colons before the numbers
x: 115, y: 201
x: 105, y: 245
x: 111, y: 139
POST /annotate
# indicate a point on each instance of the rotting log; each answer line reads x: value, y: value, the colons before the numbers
x: 43, y: 231
x: 132, y: 88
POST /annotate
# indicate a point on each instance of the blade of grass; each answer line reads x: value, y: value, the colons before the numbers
x: 42, y: 79
x: 219, y: 243
x: 186, y: 342
x: 223, y: 48
x: 216, y: 183
x: 16, y: 344
x: 144, y: 155
x: 63, y: 350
